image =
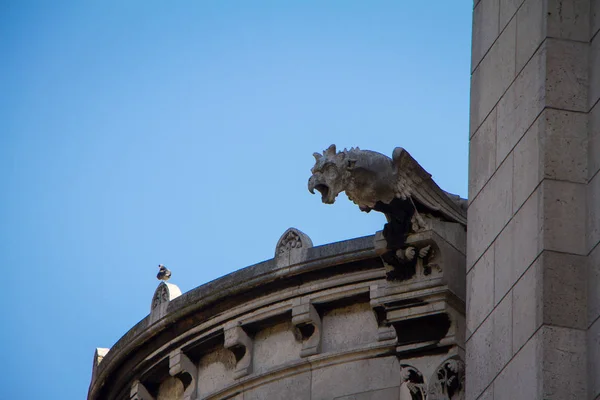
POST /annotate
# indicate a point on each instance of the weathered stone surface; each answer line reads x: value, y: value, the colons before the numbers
x: 482, y: 146
x: 521, y: 104
x: 296, y: 387
x: 358, y: 377
x: 492, y: 77
x: 489, y: 349
x: 291, y: 247
x: 594, y: 141
x: 593, y: 285
x: 593, y: 213
x: 567, y: 75
x: 538, y: 370
x: 527, y: 171
x: 241, y: 345
x: 182, y: 368
x: 521, y: 378
x: 170, y: 389
x: 485, y: 29
x: 308, y: 326
x: 98, y: 357
x: 564, y: 212
x: 554, y: 147
x: 594, y: 81
x: 393, y: 186
x: 531, y: 29
x: 595, y: 23
x: 568, y: 19
x: 564, y: 289
x: 552, y: 291
x: 593, y: 353
x: 516, y: 247
x: 163, y: 295
x: 247, y: 335
x: 508, y: 9
x: 489, y: 212
x: 139, y: 392
x: 448, y: 381
x: 379, y: 394
x: 563, y: 368
x: 274, y: 346
x: 527, y: 302
x: 215, y: 371
x: 480, y: 286
x: 348, y: 327
x: 564, y: 145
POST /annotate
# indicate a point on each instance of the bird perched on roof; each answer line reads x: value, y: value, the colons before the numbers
x: 164, y: 273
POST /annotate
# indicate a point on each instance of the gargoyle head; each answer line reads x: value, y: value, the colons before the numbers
x: 329, y: 175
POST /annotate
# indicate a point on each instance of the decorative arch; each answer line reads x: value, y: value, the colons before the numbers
x: 448, y: 381
x: 412, y: 384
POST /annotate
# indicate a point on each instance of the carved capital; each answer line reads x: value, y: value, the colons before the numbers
x: 240, y: 344
x: 182, y: 368
x: 448, y: 381
x: 139, y: 392
x: 307, y: 323
x: 412, y: 383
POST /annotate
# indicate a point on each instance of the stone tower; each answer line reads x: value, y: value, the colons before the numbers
x: 533, y: 274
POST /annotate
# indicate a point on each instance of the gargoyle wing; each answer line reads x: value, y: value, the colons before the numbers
x: 424, y: 191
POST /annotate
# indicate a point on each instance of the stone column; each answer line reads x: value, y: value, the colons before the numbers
x: 532, y: 202
x: 593, y: 190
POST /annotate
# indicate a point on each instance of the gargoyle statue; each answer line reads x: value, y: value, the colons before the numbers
x: 398, y: 187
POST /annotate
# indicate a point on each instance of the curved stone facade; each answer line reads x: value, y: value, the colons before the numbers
x: 326, y: 322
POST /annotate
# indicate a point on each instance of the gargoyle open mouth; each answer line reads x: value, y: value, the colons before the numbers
x: 324, y: 190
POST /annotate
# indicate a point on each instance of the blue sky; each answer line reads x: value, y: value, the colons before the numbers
x: 137, y: 133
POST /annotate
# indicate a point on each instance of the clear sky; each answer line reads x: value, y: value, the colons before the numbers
x: 134, y: 133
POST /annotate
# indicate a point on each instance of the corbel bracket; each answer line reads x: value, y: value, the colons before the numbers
x: 240, y: 344
x: 384, y: 330
x: 139, y: 392
x: 307, y: 323
x: 182, y: 368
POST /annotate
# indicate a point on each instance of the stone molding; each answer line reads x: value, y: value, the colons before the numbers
x: 182, y: 368
x: 139, y: 392
x: 240, y: 344
x: 353, y: 271
x: 307, y: 322
x: 99, y: 355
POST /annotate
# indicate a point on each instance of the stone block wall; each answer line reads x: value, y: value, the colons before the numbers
x: 533, y: 281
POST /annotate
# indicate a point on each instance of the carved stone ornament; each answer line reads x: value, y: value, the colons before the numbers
x: 398, y: 187
x: 307, y: 323
x: 291, y: 240
x: 163, y: 295
x: 182, y: 368
x: 240, y: 344
x: 139, y: 392
x: 448, y: 382
x: 412, y: 383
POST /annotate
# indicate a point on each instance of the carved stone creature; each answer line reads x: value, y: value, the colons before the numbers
x: 398, y: 186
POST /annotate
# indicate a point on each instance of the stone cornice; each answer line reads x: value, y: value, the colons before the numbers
x: 318, y: 258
